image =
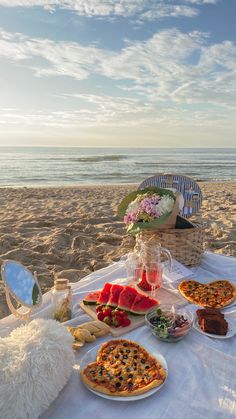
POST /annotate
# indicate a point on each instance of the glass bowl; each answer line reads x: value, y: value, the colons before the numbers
x: 169, y: 323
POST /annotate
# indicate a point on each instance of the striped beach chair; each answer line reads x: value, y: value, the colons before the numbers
x: 186, y: 186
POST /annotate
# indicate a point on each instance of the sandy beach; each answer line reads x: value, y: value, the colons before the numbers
x: 72, y: 231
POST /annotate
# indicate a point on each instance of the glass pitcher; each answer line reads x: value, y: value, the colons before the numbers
x: 148, y: 275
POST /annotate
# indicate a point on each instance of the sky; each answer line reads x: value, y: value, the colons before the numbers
x: 137, y: 73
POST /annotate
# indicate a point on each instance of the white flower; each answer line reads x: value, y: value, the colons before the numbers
x: 133, y: 206
x: 166, y: 204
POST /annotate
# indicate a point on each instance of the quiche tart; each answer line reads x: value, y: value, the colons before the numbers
x: 216, y: 294
x: 123, y: 368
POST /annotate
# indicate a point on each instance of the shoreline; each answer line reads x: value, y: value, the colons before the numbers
x: 92, y: 185
x: 71, y: 231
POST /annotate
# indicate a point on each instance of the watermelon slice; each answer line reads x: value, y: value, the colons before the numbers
x: 105, y: 294
x: 143, y: 304
x: 126, y: 298
x: 92, y: 298
x: 114, y: 295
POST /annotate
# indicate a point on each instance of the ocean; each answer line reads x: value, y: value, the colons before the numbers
x: 54, y: 166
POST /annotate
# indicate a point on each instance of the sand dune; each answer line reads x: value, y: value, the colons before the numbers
x: 73, y: 231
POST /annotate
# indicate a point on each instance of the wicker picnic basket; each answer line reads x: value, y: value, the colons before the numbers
x: 185, y: 244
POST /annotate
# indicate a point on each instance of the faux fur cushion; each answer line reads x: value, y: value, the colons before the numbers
x: 35, y: 363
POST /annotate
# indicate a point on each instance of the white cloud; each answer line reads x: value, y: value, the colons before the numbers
x: 189, y: 83
x: 200, y: 2
x: 63, y: 58
x: 105, y: 111
x: 117, y: 104
x: 189, y: 70
x: 75, y: 120
x: 168, y: 10
x: 143, y: 9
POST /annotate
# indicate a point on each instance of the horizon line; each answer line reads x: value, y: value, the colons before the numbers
x: 124, y: 147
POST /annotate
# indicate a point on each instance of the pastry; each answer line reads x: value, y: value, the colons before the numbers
x: 87, y: 332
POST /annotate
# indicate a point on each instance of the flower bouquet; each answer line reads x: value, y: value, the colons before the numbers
x: 149, y: 208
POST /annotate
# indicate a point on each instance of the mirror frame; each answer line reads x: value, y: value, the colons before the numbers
x: 11, y: 292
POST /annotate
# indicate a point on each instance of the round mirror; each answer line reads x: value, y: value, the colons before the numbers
x: 20, y: 284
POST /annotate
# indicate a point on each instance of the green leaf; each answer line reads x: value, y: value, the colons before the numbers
x: 125, y: 203
x: 139, y: 226
x: 133, y: 195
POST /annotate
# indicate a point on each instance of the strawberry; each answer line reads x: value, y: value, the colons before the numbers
x: 122, y: 313
x: 99, y: 308
x: 126, y: 322
x: 107, y: 320
x: 115, y: 323
x: 107, y: 311
x: 117, y: 320
x: 118, y: 312
x: 100, y: 315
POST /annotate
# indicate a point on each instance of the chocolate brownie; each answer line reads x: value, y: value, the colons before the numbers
x: 214, y: 324
x: 202, y: 313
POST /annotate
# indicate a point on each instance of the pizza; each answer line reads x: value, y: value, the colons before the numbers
x: 123, y: 368
x: 215, y: 294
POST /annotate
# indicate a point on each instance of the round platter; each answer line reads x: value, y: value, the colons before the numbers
x: 91, y: 356
x: 231, y: 329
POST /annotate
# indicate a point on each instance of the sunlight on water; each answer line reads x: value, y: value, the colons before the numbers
x: 70, y: 166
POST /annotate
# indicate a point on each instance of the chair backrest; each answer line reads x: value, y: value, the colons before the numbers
x: 186, y: 186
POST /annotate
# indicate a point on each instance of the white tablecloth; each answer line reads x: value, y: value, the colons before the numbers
x: 202, y: 371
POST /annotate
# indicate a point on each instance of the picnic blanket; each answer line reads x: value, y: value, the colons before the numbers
x: 201, y: 381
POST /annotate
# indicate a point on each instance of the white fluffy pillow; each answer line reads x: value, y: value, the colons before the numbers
x: 35, y: 363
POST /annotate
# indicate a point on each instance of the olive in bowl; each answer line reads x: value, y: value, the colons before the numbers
x: 168, y: 323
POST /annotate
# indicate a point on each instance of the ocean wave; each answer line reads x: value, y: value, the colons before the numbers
x: 223, y: 165
x: 117, y: 175
x: 94, y: 159
x: 90, y: 166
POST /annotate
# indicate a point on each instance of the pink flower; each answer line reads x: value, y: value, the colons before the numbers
x: 149, y: 205
x: 130, y: 218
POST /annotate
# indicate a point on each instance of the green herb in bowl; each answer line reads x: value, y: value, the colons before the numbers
x: 168, y: 323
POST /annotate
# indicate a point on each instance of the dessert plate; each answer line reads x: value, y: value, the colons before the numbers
x: 231, y: 329
x: 91, y: 356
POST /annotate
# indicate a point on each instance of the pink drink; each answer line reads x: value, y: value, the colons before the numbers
x: 154, y: 277
x: 141, y: 278
x: 138, y: 273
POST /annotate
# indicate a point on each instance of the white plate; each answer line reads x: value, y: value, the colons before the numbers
x: 229, y: 305
x: 231, y: 329
x: 91, y: 356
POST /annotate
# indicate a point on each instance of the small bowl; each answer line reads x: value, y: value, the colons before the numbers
x: 168, y: 325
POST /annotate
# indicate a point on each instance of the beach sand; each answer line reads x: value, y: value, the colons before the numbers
x: 72, y: 231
